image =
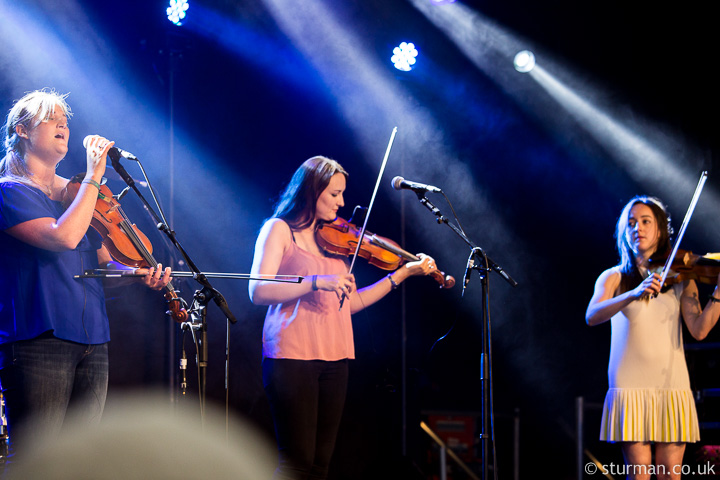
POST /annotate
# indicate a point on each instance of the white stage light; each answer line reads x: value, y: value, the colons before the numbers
x: 404, y: 56
x: 176, y: 11
x: 524, y: 61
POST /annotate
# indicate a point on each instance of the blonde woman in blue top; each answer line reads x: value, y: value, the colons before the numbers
x: 54, y: 330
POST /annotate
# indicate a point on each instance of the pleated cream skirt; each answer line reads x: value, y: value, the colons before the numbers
x: 649, y: 415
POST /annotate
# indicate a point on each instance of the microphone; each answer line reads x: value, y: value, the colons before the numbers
x: 399, y: 183
x: 114, y: 152
x: 468, y: 271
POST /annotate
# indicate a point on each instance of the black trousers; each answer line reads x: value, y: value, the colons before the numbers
x: 306, y: 400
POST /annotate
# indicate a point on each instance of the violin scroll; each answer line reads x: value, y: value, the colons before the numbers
x: 176, y: 307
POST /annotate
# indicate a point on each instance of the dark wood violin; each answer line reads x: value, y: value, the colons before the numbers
x: 125, y: 242
x: 341, y: 238
x: 689, y: 266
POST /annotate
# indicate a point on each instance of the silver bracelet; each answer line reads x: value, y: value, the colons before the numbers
x: 314, y: 283
x: 392, y: 282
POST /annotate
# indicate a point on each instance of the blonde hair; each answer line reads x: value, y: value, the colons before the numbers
x: 30, y: 111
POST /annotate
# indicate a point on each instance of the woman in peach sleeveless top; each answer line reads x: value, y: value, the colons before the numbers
x: 307, y: 336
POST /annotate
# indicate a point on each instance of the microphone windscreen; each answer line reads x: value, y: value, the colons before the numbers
x: 397, y: 182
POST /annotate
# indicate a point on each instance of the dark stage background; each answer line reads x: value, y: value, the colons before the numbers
x: 222, y: 110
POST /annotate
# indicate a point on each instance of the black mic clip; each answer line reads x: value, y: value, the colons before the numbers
x: 120, y: 195
x: 469, y: 268
x: 117, y: 166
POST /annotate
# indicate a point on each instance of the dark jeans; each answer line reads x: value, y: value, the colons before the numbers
x: 46, y: 379
x: 306, y: 400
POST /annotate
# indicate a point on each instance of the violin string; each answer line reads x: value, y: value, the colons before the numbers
x: 393, y: 249
x: 126, y: 227
x: 137, y: 243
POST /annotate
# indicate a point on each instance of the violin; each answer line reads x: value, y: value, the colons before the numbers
x: 341, y: 238
x: 689, y: 266
x: 125, y: 242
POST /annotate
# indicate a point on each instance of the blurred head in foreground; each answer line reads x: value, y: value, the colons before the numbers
x: 145, y: 437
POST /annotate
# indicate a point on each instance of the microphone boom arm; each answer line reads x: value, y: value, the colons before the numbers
x: 443, y: 219
x: 208, y: 290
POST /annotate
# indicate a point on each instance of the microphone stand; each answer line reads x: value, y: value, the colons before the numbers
x: 441, y: 219
x: 483, y: 266
x: 197, y: 312
x: 201, y: 297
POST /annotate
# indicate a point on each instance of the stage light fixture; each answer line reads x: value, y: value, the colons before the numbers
x: 176, y: 11
x: 524, y: 61
x: 404, y: 56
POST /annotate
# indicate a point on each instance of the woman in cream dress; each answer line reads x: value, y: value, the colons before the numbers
x: 649, y: 400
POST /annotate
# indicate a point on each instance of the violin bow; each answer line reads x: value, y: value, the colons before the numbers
x: 118, y: 273
x: 683, y: 227
x: 372, y: 201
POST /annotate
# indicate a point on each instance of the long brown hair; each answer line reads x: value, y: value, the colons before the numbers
x: 631, y: 276
x: 297, y: 203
